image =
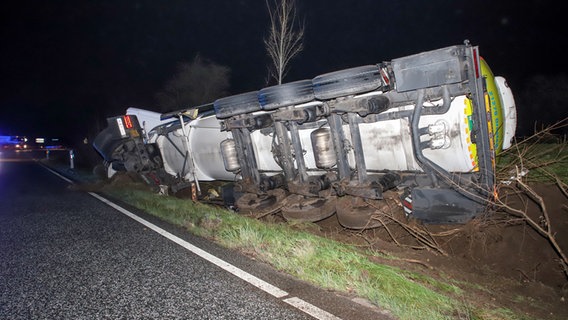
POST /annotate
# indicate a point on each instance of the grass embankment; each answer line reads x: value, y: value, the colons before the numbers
x: 320, y: 261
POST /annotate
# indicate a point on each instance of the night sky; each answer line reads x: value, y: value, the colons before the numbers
x: 67, y: 65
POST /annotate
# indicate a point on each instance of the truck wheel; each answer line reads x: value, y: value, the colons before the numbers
x: 259, y: 206
x: 101, y: 171
x: 357, y: 213
x: 285, y: 95
x: 308, y: 209
x: 238, y: 104
x: 347, y: 82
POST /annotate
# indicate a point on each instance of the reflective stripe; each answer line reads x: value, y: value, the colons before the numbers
x: 121, y: 127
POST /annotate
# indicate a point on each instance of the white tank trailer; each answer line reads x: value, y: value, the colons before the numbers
x: 425, y: 128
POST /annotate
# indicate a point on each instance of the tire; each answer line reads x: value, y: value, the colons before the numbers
x: 259, y: 206
x: 237, y: 104
x: 305, y: 209
x: 356, y: 213
x: 347, y: 82
x: 285, y: 95
x: 101, y: 171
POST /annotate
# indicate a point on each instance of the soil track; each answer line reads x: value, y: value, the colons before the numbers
x: 498, y: 259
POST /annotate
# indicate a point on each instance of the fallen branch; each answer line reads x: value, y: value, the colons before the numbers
x: 422, y: 236
x: 388, y: 231
x: 419, y: 262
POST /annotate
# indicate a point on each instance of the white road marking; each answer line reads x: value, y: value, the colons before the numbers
x: 263, y: 285
x: 310, y: 309
x: 298, y: 303
x: 56, y: 173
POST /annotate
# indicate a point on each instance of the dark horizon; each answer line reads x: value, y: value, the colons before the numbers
x: 67, y: 65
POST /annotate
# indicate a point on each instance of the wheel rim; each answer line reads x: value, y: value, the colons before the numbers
x: 308, y: 209
x: 261, y: 205
x: 357, y: 213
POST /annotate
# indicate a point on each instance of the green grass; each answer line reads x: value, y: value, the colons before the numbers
x: 320, y: 261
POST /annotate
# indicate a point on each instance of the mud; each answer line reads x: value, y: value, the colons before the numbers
x: 498, y: 259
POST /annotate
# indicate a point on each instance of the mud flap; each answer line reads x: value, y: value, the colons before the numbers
x: 229, y: 195
x: 443, y: 206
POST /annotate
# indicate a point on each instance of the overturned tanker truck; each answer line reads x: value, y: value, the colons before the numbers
x: 423, y: 129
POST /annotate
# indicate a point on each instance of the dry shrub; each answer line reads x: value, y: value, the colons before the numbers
x: 542, y: 158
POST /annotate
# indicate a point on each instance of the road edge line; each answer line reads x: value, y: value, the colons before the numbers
x: 259, y: 283
x: 295, y: 302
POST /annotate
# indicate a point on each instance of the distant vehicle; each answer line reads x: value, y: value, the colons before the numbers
x: 49, y: 143
x: 424, y: 129
x: 14, y: 143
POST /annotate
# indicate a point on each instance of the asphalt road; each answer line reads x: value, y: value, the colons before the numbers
x: 66, y: 255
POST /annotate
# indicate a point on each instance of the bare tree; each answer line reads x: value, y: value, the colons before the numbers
x: 195, y: 83
x: 285, y: 38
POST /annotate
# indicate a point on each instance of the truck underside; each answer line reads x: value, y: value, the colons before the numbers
x: 423, y: 129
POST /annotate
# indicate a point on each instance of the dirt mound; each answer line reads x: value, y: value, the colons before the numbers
x: 497, y: 259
